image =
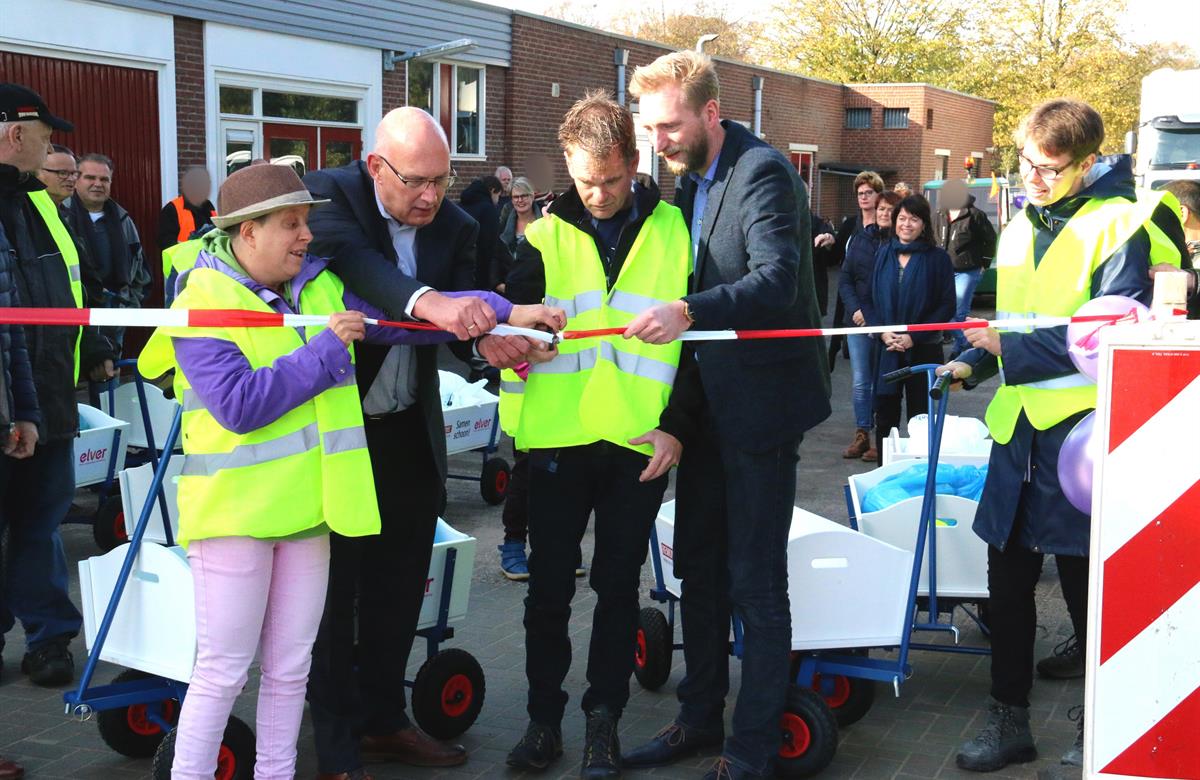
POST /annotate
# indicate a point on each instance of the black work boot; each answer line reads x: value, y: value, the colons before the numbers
x: 601, y: 749
x: 538, y: 749
x: 1074, y: 754
x: 1004, y: 740
x: 1066, y: 663
x: 49, y: 664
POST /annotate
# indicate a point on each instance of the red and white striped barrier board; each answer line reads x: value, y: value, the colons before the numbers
x: 1143, y: 680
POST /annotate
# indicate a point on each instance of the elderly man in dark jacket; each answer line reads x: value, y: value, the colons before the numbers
x: 36, y: 491
x: 481, y: 199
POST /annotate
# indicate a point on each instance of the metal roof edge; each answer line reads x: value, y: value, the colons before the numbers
x: 927, y: 86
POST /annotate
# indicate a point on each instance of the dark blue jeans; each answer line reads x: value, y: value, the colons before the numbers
x: 732, y: 514
x: 35, y: 494
x: 565, y: 487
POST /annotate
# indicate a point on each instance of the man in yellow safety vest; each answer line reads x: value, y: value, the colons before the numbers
x: 588, y: 413
x: 1084, y: 232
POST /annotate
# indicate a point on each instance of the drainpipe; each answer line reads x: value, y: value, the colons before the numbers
x: 621, y: 59
x: 757, y: 83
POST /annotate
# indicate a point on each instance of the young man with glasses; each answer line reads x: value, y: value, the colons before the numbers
x: 394, y: 240
x: 1083, y: 220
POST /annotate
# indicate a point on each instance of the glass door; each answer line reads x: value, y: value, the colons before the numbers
x: 340, y: 146
x: 294, y: 145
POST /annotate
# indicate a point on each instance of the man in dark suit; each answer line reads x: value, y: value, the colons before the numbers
x: 752, y: 402
x: 394, y: 241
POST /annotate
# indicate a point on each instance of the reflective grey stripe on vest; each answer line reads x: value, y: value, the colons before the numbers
x: 294, y: 443
x: 569, y: 363
x: 344, y: 440
x: 584, y: 302
x: 638, y: 365
x: 1015, y: 315
x: 1061, y: 383
x: 512, y: 387
x: 349, y: 380
x: 192, y: 402
x: 631, y: 303
x: 73, y: 270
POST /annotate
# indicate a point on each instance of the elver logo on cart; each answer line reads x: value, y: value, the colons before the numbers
x: 667, y: 552
x: 483, y: 425
x: 429, y: 585
x: 93, y: 456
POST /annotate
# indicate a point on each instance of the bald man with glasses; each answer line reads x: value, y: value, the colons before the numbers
x: 395, y: 241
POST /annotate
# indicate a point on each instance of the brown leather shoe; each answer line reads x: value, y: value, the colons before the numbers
x: 358, y: 775
x: 862, y: 441
x: 871, y: 455
x: 10, y: 770
x: 414, y: 747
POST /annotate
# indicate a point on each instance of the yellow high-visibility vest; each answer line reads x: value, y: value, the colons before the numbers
x: 607, y: 388
x: 66, y: 247
x: 1057, y: 287
x: 306, y: 468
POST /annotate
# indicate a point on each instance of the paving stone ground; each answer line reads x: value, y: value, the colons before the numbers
x: 913, y: 736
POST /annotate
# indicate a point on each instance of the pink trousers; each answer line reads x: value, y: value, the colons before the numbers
x: 251, y: 594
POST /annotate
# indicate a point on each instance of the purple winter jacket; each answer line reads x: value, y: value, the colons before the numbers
x: 243, y: 399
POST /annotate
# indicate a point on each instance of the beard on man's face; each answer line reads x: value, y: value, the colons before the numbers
x: 694, y: 157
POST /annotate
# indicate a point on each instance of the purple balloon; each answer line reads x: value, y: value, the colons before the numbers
x: 1083, y: 338
x: 1077, y: 462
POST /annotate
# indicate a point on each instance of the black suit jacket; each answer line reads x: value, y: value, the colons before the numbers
x: 354, y: 235
x: 753, y: 269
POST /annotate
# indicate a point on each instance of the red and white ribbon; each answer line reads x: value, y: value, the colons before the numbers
x: 244, y: 318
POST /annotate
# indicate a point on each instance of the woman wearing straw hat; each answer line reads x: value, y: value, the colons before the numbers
x: 275, y: 457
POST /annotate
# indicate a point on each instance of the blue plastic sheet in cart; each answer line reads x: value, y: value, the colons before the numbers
x: 963, y: 481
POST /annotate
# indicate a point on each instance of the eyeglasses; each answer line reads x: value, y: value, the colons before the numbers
x: 440, y: 183
x: 1044, y: 172
x: 867, y: 193
x: 64, y: 175
x: 522, y: 196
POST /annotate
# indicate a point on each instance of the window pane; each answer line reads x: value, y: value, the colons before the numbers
x: 338, y: 153
x: 858, y: 118
x: 895, y: 118
x: 237, y: 155
x: 420, y: 85
x: 235, y: 100
x: 289, y: 151
x: 466, y: 114
x: 325, y: 109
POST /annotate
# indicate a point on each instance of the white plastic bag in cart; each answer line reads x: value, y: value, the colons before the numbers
x: 960, y: 435
x: 457, y: 392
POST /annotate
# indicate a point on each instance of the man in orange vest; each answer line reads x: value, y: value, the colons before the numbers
x: 188, y: 212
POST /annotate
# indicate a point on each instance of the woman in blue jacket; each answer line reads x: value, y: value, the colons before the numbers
x: 913, y: 283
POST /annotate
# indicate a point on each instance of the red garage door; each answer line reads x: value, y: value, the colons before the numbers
x: 115, y: 112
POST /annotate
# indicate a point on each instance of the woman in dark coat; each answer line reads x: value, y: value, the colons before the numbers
x: 913, y: 283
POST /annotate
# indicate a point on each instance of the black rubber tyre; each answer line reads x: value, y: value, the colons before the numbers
x: 810, y: 735
x: 848, y: 698
x: 652, y: 655
x: 127, y: 730
x: 448, y: 693
x: 108, y: 526
x: 235, y: 761
x: 493, y: 482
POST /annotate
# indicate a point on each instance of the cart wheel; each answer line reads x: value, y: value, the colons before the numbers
x: 652, y: 656
x: 849, y: 698
x: 108, y: 527
x: 493, y: 482
x: 810, y: 734
x: 448, y: 693
x: 235, y: 760
x: 128, y: 730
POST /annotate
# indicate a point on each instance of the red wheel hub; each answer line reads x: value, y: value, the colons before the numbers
x: 119, y: 532
x: 835, y: 690
x: 457, y: 695
x: 226, y: 764
x: 639, y: 655
x: 139, y: 721
x: 501, y: 482
x: 796, y: 736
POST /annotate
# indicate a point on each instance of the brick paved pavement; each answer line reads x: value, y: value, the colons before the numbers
x: 914, y: 736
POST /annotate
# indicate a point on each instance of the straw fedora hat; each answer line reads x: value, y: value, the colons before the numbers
x: 258, y: 190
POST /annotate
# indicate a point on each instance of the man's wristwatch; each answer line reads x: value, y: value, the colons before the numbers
x: 687, y: 312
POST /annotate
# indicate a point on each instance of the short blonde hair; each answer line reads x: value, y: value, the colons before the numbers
x: 598, y: 125
x: 871, y: 178
x: 693, y: 72
x: 523, y: 184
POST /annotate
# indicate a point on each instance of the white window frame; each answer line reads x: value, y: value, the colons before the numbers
x: 435, y: 100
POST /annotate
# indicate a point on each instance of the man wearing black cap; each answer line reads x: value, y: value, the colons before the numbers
x: 36, y: 492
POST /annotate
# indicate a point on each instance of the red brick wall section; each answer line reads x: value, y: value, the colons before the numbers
x: 189, y: 93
